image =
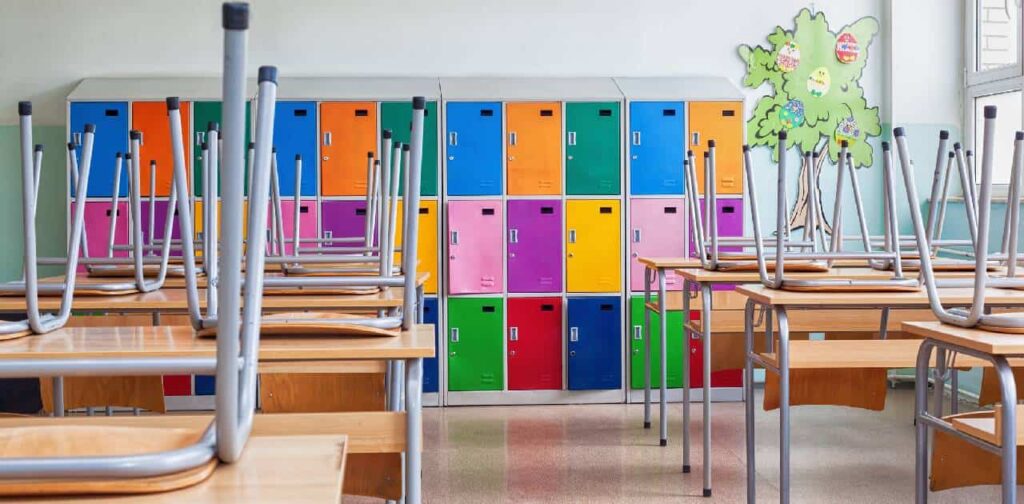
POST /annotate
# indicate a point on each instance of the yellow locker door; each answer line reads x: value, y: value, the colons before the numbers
x: 427, y: 249
x: 723, y: 123
x: 197, y: 222
x: 593, y: 248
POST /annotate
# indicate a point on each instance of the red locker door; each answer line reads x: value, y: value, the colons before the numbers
x: 721, y: 378
x: 534, y: 337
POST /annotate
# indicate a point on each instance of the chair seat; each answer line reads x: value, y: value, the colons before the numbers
x: 312, y: 324
x: 792, y: 267
x: 848, y: 285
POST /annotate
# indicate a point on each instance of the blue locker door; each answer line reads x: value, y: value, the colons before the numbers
x: 111, y: 120
x: 474, y: 147
x: 431, y: 375
x: 295, y: 133
x: 595, y: 343
x: 656, y: 148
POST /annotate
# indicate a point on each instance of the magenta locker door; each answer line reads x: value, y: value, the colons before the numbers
x: 730, y: 223
x: 158, y: 224
x: 656, y: 229
x: 307, y: 220
x: 97, y: 228
x: 535, y: 246
x: 474, y: 247
x: 344, y: 219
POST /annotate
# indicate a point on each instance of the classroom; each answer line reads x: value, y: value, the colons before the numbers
x: 541, y: 251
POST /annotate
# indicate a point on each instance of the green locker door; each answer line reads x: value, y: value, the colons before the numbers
x: 592, y: 148
x: 636, y: 346
x: 475, y: 337
x: 397, y: 117
x: 203, y: 113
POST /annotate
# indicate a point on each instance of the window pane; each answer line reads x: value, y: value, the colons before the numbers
x: 997, y: 33
x: 1008, y: 121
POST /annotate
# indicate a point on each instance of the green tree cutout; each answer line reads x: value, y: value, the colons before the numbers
x: 816, y: 112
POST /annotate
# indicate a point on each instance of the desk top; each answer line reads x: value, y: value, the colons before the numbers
x: 177, y: 341
x: 669, y: 262
x: 705, y: 276
x: 177, y: 282
x: 989, y: 342
x: 272, y: 469
x: 949, y: 296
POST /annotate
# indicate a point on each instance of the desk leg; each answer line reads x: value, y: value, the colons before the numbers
x: 647, y: 349
x: 748, y: 397
x: 921, y: 429
x: 687, y: 362
x: 883, y: 329
x: 663, y: 319
x: 706, y: 344
x: 783, y: 352
x: 58, y: 396
x: 414, y: 432
x: 1008, y: 389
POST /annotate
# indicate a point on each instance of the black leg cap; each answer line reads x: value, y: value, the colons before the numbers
x: 707, y: 492
x: 664, y: 442
x: 647, y: 425
x: 686, y: 469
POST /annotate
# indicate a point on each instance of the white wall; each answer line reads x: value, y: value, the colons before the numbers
x: 46, y: 46
x: 927, y: 61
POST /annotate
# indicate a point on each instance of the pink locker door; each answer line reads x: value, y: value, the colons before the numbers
x: 307, y: 221
x: 475, y: 247
x: 657, y: 229
x: 97, y: 228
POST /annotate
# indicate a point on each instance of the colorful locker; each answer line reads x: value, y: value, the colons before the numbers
x: 534, y: 148
x: 159, y: 217
x: 592, y: 148
x: 111, y: 120
x: 431, y: 372
x: 534, y: 246
x: 204, y: 113
x: 474, y: 247
x: 475, y: 357
x: 295, y: 134
x: 349, y: 131
x: 720, y: 378
x: 397, y: 117
x: 307, y: 221
x: 150, y: 118
x: 657, y: 229
x: 344, y: 219
x: 636, y: 346
x: 593, y: 256
x: 723, y: 123
x: 656, y: 148
x: 595, y: 343
x: 474, y: 148
x: 730, y: 223
x: 97, y: 227
x: 534, y: 341
x: 427, y: 249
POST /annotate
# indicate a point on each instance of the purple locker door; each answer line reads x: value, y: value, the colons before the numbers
x: 307, y: 221
x: 534, y: 246
x: 158, y: 222
x: 474, y: 247
x: 344, y: 219
x: 97, y: 228
x: 730, y: 223
x: 657, y: 228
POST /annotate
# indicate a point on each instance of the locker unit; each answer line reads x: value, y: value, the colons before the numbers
x: 720, y: 378
x: 657, y: 229
x: 475, y: 357
x: 533, y: 148
x: 111, y: 120
x: 592, y: 148
x: 475, y: 247
x: 473, y: 148
x: 534, y: 342
x: 593, y: 258
x: 150, y: 118
x: 656, y: 148
x: 343, y: 219
x: 427, y: 247
x: 178, y: 385
x: 204, y: 113
x: 348, y: 131
x: 295, y: 135
x: 97, y: 227
x: 636, y: 346
x: 397, y: 117
x: 159, y: 217
x: 594, y: 343
x: 534, y: 255
x: 730, y: 223
x: 721, y: 121
x: 431, y: 371
x: 307, y: 221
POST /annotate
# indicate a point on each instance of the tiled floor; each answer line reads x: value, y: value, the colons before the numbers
x: 601, y: 453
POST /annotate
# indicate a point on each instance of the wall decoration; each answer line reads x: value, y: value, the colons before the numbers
x: 789, y: 57
x: 825, y: 83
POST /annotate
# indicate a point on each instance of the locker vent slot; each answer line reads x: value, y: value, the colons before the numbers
x: 606, y: 307
x: 301, y: 112
x: 546, y: 113
x: 605, y: 112
x: 729, y: 209
x: 487, y: 309
x: 486, y: 112
x: 728, y: 113
x: 360, y: 211
x: 547, y: 307
x: 424, y: 211
x: 362, y: 112
x: 670, y: 209
x: 487, y: 211
x: 547, y: 210
x: 606, y: 209
x: 111, y: 112
x: 304, y: 209
x: 668, y: 112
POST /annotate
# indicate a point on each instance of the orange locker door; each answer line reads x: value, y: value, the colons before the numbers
x: 723, y: 123
x: 348, y: 130
x: 534, y: 148
x: 150, y: 118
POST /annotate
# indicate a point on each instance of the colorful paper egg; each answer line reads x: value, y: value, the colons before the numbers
x: 819, y: 82
x: 789, y: 57
x: 847, y: 48
x: 791, y: 115
x: 847, y: 130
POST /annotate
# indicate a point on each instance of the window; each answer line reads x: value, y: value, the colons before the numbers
x: 1008, y: 122
x: 996, y: 42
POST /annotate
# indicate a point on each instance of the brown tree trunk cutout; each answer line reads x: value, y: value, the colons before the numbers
x: 798, y: 218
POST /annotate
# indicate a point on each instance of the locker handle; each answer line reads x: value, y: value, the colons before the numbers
x: 76, y: 138
x: 636, y: 138
x: 572, y: 138
x: 512, y: 137
x: 574, y: 334
x: 636, y: 236
x: 455, y: 335
x: 513, y: 236
x: 696, y: 138
x: 329, y: 235
x: 453, y: 138
x: 637, y: 335
x: 513, y: 334
x: 200, y: 137
x: 327, y: 139
x: 572, y: 236
x: 455, y: 237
